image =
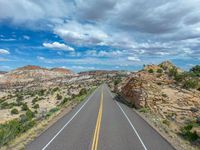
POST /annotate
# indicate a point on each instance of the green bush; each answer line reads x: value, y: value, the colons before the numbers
x: 83, y: 91
x: 150, y: 71
x: 190, y: 84
x: 30, y: 114
x: 41, y: 92
x: 24, y: 107
x: 144, y: 110
x: 64, y: 100
x: 36, y: 106
x: 5, y: 105
x: 55, y: 89
x: 173, y: 72
x: 196, y: 70
x: 166, y: 122
x: 188, y: 134
x: 53, y: 110
x: 11, y: 129
x: 159, y: 71
x: 14, y: 111
x: 19, y: 97
x: 35, y: 100
x: 59, y: 97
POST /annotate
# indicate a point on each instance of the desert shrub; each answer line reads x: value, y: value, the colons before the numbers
x: 150, y: 71
x: 30, y: 114
x: 59, y: 97
x: 117, y: 80
x: 36, y: 106
x: 159, y: 71
x: 11, y: 129
x: 24, y: 107
x: 19, y: 97
x: 173, y: 72
x: 164, y: 95
x: 64, y: 100
x: 165, y: 121
x: 144, y: 110
x: 180, y: 77
x: 55, y: 89
x: 196, y: 70
x: 41, y: 92
x: 35, y: 100
x: 5, y: 105
x: 188, y: 134
x: 190, y: 84
x: 53, y: 110
x: 14, y: 111
x: 83, y: 91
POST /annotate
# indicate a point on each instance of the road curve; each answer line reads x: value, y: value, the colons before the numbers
x: 100, y: 123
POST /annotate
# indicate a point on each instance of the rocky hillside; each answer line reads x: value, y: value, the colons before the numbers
x: 170, y: 94
x: 33, y: 73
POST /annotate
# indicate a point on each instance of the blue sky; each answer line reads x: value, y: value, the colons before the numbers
x: 91, y: 34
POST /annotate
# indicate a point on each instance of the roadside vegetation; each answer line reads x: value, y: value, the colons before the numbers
x: 188, y: 79
x: 30, y: 114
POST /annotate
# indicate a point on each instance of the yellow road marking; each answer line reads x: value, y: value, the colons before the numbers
x: 98, y: 124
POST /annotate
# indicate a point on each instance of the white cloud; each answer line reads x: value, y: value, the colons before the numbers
x: 58, y: 46
x: 40, y: 58
x: 4, y: 51
x: 103, y: 53
x: 26, y: 11
x: 133, y: 58
x: 8, y: 40
x: 26, y: 37
x: 82, y: 68
x: 81, y: 34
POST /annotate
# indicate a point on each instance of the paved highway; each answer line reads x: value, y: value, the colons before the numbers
x: 100, y: 123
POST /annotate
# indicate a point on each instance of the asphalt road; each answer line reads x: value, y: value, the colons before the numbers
x: 100, y: 123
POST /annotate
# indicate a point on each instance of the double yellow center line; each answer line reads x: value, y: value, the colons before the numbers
x: 98, y: 124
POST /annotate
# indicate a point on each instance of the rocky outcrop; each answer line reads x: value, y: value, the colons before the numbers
x: 159, y: 93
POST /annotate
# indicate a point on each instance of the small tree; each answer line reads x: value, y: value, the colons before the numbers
x: 173, y: 72
x: 159, y: 71
x: 196, y: 70
x: 150, y: 71
x: 59, y: 97
x: 25, y: 107
x: 82, y: 91
x: 191, y: 83
x: 36, y: 106
x: 14, y: 111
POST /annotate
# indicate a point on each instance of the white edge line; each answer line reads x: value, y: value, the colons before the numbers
x: 130, y: 123
x: 67, y: 122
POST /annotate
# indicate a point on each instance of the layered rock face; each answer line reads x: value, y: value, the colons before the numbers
x: 159, y: 93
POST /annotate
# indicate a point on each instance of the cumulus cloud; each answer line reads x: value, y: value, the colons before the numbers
x: 81, y: 34
x: 58, y: 46
x: 103, y: 53
x: 32, y: 11
x: 4, y: 51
